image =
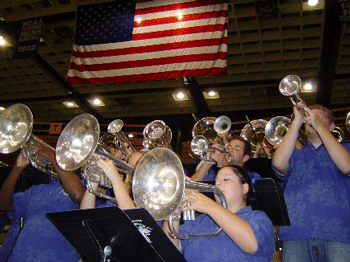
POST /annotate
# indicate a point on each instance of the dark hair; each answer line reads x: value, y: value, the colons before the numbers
x: 328, y: 112
x: 247, y: 146
x: 244, y: 178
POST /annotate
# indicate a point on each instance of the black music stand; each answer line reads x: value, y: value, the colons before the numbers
x: 270, y: 199
x: 112, y: 234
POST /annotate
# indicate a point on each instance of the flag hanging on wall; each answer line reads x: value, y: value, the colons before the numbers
x: 129, y: 41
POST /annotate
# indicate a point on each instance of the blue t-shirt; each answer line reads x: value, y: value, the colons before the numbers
x: 317, y: 197
x: 221, y: 247
x: 39, y: 240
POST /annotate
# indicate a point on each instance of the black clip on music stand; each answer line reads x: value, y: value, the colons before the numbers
x: 112, y: 234
x: 270, y: 199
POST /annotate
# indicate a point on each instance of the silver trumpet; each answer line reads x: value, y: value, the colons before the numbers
x: 78, y: 144
x: 120, y: 140
x: 200, y: 146
x: 290, y: 86
x: 159, y: 187
x: 16, y: 125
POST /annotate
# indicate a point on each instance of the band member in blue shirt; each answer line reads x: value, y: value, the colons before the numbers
x: 317, y: 189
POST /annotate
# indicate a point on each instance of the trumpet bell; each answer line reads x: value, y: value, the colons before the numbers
x: 222, y: 124
x: 115, y: 126
x: 77, y: 142
x: 16, y: 125
x: 199, y: 145
x: 276, y: 128
x: 159, y: 182
x: 115, y: 138
x: 290, y: 85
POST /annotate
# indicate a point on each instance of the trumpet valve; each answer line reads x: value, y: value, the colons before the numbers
x: 188, y: 215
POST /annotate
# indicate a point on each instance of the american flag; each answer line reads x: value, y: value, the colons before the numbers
x: 127, y: 41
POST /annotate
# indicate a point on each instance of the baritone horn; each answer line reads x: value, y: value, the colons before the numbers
x: 290, y: 86
x: 254, y: 132
x: 156, y: 134
x: 114, y: 138
x: 205, y: 127
x: 16, y: 126
x: 159, y: 186
x: 276, y: 129
x: 79, y: 143
x: 204, y: 133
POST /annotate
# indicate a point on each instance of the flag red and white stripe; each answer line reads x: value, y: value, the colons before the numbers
x: 169, y: 39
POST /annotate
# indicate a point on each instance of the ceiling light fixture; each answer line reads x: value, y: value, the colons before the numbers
x: 130, y: 135
x: 211, y: 94
x: 180, y: 96
x: 2, y: 108
x: 312, y: 2
x: 96, y: 102
x: 2, y: 41
x: 70, y: 104
x: 309, y: 87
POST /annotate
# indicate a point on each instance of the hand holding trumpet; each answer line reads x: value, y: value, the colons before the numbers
x: 109, y: 168
x: 309, y: 118
x: 21, y: 161
x: 197, y: 201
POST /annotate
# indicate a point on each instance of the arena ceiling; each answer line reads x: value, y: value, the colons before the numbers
x: 267, y: 41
